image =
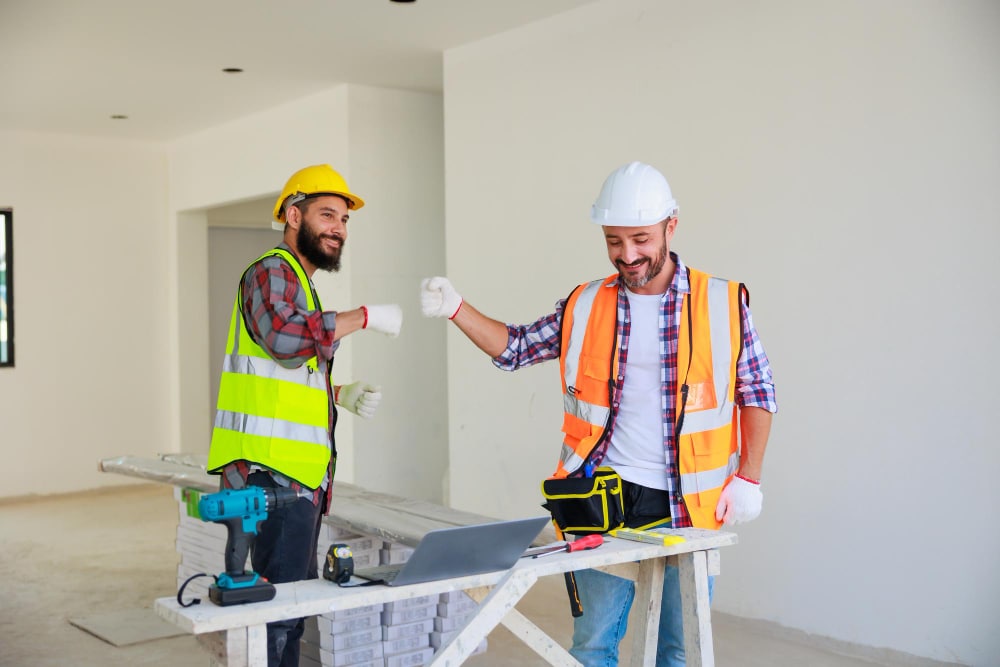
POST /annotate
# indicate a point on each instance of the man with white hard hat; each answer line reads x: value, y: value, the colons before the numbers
x: 664, y: 380
x: 277, y: 398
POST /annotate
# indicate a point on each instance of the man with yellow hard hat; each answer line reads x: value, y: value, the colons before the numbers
x: 277, y: 401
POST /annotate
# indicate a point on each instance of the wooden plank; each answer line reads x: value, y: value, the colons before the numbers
x: 693, y: 572
x: 648, y: 595
x: 307, y: 598
x: 393, y: 518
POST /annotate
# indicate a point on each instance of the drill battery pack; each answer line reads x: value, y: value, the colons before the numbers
x: 252, y: 589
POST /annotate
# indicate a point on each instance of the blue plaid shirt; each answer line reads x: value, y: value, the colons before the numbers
x: 540, y: 341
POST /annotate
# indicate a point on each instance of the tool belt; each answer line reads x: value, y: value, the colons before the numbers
x: 585, y: 505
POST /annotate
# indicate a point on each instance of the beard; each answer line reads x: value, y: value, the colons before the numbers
x: 653, y: 269
x: 310, y: 245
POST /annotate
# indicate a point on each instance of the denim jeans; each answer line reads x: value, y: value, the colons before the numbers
x: 606, y: 602
x: 283, y: 551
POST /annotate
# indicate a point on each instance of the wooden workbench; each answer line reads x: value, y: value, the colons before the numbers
x: 244, y: 639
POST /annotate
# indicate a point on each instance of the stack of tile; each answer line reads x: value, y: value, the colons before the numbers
x: 406, y: 628
x: 454, y: 610
x: 347, y: 638
x: 410, y: 630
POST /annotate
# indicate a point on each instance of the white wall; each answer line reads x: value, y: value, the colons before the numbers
x: 397, y: 153
x: 388, y: 146
x: 841, y: 159
x: 90, y: 378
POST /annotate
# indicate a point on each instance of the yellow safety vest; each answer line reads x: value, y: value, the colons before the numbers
x: 267, y: 414
x: 709, y: 345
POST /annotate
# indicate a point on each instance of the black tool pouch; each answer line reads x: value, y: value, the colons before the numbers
x: 585, y: 505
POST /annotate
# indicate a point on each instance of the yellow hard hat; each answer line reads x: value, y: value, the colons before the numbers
x: 319, y: 179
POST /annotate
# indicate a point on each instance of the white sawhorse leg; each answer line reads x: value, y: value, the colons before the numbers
x: 239, y: 647
x: 648, y: 595
x: 494, y: 607
x: 533, y: 636
x: 693, y: 570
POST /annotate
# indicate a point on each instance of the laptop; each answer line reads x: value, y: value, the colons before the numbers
x: 457, y: 552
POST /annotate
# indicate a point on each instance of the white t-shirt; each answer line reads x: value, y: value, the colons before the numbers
x: 636, y: 448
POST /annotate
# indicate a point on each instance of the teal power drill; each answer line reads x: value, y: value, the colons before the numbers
x: 241, y: 510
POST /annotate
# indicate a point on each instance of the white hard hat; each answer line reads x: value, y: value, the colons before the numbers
x: 633, y: 195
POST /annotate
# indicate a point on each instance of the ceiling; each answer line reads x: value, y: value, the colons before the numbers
x: 70, y: 65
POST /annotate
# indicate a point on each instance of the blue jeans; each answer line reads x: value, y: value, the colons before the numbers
x: 283, y: 551
x: 606, y: 602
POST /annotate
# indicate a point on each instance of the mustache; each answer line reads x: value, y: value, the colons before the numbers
x: 636, y: 263
x: 334, y: 235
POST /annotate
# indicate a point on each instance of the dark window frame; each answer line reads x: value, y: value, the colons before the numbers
x: 8, y: 291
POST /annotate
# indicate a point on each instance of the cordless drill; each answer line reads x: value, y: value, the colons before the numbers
x: 241, y: 510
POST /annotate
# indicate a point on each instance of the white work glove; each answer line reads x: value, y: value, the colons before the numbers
x: 360, y: 398
x: 384, y: 318
x: 740, y: 502
x: 438, y: 298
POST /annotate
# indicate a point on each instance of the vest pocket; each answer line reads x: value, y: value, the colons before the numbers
x: 592, y: 380
x: 575, y: 427
x: 701, y: 396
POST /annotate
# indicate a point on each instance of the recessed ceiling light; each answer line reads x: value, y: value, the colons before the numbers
x: 118, y: 116
x: 232, y: 70
x: 402, y: 1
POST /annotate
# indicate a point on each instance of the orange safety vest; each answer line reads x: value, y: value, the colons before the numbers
x: 708, y: 347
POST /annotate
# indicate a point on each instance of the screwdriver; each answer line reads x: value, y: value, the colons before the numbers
x: 585, y: 542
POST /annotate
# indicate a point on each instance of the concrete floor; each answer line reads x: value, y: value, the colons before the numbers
x: 112, y: 550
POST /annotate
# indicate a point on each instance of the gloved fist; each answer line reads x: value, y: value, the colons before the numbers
x: 360, y: 398
x: 438, y: 298
x: 384, y: 318
x: 740, y: 502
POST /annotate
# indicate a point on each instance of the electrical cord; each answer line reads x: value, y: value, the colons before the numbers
x: 180, y: 591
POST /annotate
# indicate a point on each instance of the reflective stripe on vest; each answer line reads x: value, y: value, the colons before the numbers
x: 707, y: 447
x: 587, y: 363
x: 271, y: 415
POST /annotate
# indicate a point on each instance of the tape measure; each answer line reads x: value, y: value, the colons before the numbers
x: 339, y: 564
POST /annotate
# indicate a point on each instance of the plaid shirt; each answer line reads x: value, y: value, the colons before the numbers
x: 540, y: 341
x: 275, y: 311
